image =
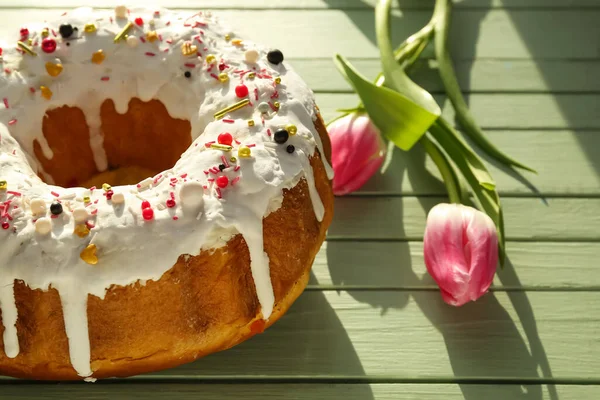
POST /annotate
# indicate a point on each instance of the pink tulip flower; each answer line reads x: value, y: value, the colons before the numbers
x: 357, y: 152
x: 461, y: 252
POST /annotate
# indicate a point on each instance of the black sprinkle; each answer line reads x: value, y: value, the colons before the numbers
x: 281, y: 136
x: 275, y: 57
x: 290, y: 149
x: 187, y: 74
x: 68, y: 43
x: 56, y: 208
x: 66, y: 30
x: 221, y: 167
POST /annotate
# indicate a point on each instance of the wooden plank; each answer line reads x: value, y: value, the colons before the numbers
x: 506, y: 111
x: 485, y: 75
x: 568, y: 163
x: 481, y: 34
x: 394, y: 265
x: 325, y: 4
x: 414, y: 335
x: 402, y: 218
x: 193, y: 391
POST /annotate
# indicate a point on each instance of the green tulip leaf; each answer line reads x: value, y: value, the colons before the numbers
x: 396, y: 116
x: 395, y: 76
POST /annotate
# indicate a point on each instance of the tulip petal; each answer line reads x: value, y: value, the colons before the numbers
x: 461, y: 252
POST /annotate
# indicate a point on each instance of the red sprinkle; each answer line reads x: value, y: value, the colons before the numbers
x: 94, y: 212
x: 175, y: 217
x: 241, y: 90
x: 138, y: 21
x: 228, y: 121
x: 225, y: 138
x: 149, y: 53
x: 235, y: 180
x: 214, y: 76
x: 236, y: 169
x: 251, y: 145
x: 171, y: 203
x: 109, y: 194
x: 148, y: 214
x: 145, y: 204
x: 222, y: 181
x: 183, y: 176
x: 105, y: 78
x: 12, y: 121
x: 219, y: 195
x: 13, y: 193
x: 142, y: 39
x: 48, y: 45
x: 54, y: 194
x: 225, y: 163
x: 207, y: 144
x: 170, y: 41
x: 1, y: 51
x: 190, y: 65
x: 32, y: 90
x: 210, y: 180
x: 5, y: 100
x: 24, y: 33
x: 5, y: 225
x: 7, y: 70
x: 255, y: 93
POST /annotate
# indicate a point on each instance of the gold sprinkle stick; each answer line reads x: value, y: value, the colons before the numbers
x: 122, y: 34
x: 27, y: 49
x: 221, y: 147
x: 233, y: 107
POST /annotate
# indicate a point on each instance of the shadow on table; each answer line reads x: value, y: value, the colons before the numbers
x: 481, y: 338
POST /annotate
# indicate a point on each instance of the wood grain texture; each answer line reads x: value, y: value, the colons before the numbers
x: 531, y: 266
x: 325, y: 4
x: 482, y: 75
x: 194, y: 391
x: 403, y: 218
x: 557, y: 153
x: 504, y: 110
x: 498, y: 33
x: 413, y: 334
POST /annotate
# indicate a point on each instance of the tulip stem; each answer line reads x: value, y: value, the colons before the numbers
x: 451, y: 180
x: 441, y: 18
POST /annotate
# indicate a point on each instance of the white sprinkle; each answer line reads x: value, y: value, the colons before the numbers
x: 43, y: 226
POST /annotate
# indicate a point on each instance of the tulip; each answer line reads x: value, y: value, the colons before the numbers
x: 461, y: 251
x: 357, y: 152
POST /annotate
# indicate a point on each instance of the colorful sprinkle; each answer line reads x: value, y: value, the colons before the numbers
x: 236, y: 106
x: 123, y: 33
x: 225, y: 138
x: 241, y: 91
x: 26, y: 48
x: 81, y: 230
x: 43, y: 226
x: 139, y: 21
x: 54, y: 69
x: 56, y: 208
x: 89, y: 28
x: 244, y: 152
x: 89, y: 254
x: 148, y: 213
x: 98, y: 57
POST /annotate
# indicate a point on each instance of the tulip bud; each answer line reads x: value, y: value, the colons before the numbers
x: 357, y: 152
x: 461, y: 251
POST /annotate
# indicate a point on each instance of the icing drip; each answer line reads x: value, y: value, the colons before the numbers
x: 74, y: 304
x: 252, y: 231
x: 221, y: 185
x: 9, y: 317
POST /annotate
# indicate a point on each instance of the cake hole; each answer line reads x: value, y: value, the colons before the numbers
x: 143, y: 142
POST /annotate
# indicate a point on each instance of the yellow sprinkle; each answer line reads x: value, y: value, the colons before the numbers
x: 244, y: 152
x: 210, y: 59
x: 3, y: 185
x: 46, y: 93
x: 45, y: 32
x: 123, y: 32
x: 233, y: 159
x: 276, y: 104
x: 81, y: 230
x: 236, y: 42
x: 218, y: 146
x: 291, y: 129
x: 106, y: 187
x: 227, y: 37
x: 26, y: 48
x: 236, y: 106
x: 89, y: 254
x: 98, y: 57
x: 188, y: 49
x: 152, y: 36
x: 251, y: 75
x: 89, y: 28
x: 250, y: 122
x: 223, y: 77
x: 30, y: 41
x: 54, y: 69
x: 86, y: 199
x: 278, y: 80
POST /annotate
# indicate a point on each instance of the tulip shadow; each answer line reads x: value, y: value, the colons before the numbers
x: 484, y: 339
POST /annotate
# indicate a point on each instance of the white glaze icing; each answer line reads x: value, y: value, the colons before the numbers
x: 129, y: 248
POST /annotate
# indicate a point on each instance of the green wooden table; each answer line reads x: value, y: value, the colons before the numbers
x: 372, y: 325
